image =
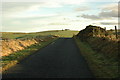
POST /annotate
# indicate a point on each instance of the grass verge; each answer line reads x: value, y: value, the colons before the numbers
x: 98, y: 63
x: 14, y: 58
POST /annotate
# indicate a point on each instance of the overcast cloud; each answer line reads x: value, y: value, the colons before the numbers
x: 56, y: 14
x: 107, y: 12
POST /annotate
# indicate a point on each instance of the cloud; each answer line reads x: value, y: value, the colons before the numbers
x: 20, y: 6
x: 93, y: 17
x: 107, y: 12
x: 82, y: 8
x: 76, y: 2
x: 109, y: 23
x: 50, y: 14
x: 61, y: 0
x: 35, y: 16
x: 106, y: 23
x: 112, y: 6
x: 110, y: 10
x: 17, y: 8
x: 101, y: 15
x: 11, y: 9
x: 58, y: 23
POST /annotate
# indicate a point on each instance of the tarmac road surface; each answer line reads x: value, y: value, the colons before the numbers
x: 60, y: 59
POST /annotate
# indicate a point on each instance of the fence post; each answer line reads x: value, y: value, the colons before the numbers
x: 116, y: 32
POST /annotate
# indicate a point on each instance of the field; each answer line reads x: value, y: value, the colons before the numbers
x: 11, y: 35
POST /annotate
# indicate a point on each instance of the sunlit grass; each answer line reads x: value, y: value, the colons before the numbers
x: 67, y: 33
x: 12, y: 59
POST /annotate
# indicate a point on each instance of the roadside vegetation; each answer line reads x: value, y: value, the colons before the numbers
x: 16, y: 57
x: 12, y: 45
x: 100, y: 51
x: 17, y: 46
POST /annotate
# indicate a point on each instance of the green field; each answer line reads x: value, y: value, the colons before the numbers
x: 11, y: 35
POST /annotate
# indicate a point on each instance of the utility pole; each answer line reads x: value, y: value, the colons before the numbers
x: 116, y: 32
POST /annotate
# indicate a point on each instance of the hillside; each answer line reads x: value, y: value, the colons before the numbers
x: 12, y: 35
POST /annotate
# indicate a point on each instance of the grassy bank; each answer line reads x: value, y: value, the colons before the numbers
x: 14, y: 58
x: 105, y: 46
x: 101, y: 66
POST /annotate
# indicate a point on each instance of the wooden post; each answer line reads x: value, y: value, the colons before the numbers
x: 116, y: 32
x: 92, y: 32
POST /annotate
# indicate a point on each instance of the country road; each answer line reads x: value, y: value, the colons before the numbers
x: 60, y: 59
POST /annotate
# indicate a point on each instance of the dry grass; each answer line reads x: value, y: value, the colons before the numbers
x: 105, y: 46
x: 100, y: 65
x: 10, y: 46
x: 16, y: 57
x: 13, y: 45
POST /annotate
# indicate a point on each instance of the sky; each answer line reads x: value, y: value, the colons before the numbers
x: 42, y: 15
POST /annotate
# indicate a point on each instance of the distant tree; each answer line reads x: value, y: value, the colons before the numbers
x: 67, y: 29
x: 111, y: 30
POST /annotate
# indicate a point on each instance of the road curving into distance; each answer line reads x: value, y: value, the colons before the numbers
x: 60, y: 59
